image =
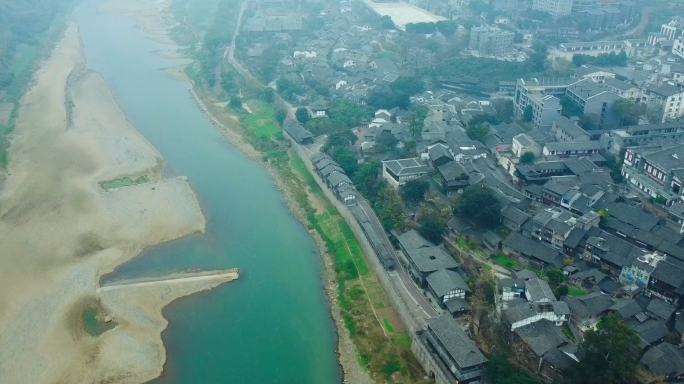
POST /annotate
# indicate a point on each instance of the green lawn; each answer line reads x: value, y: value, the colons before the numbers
x: 388, y: 326
x: 507, y: 263
x: 576, y: 292
x: 261, y: 122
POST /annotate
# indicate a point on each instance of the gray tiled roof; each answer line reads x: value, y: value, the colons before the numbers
x: 566, y: 125
x: 666, y: 90
x: 431, y: 259
x: 626, y: 308
x: 542, y: 336
x: 532, y: 248
x: 444, y: 281
x: 660, y: 309
x: 457, y: 344
x: 664, y: 360
x: 406, y: 167
x: 413, y: 240
x: 669, y: 158
x: 338, y: 178
x: 671, y: 272
x: 573, y: 146
x: 632, y: 216
x: 593, y: 304
x: 515, y: 215
x: 651, y: 331
x: 619, y: 84
x: 451, y: 170
x: 439, y: 151
x: 538, y: 289
x: 456, y: 304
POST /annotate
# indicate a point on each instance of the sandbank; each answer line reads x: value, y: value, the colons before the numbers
x: 61, y: 232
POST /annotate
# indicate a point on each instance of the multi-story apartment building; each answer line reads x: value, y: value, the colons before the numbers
x: 668, y: 32
x: 623, y: 89
x: 552, y: 226
x: 640, y: 135
x: 663, y: 102
x: 542, y: 96
x: 595, y: 100
x: 678, y: 47
x: 489, y: 40
x: 656, y: 172
x: 556, y: 8
x: 565, y: 130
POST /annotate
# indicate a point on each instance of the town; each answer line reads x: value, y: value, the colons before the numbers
x: 515, y: 167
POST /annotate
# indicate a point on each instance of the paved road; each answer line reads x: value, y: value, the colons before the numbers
x: 416, y: 294
x: 406, y: 281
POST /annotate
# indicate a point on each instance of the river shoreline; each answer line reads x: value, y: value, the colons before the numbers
x: 155, y: 20
x: 346, y: 351
x: 61, y: 231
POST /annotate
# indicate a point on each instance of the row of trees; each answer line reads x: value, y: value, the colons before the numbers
x: 342, y: 115
x: 23, y: 22
x: 602, y: 59
x: 446, y: 27
x: 396, y: 95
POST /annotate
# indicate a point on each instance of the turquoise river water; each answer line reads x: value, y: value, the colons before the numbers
x: 273, y: 325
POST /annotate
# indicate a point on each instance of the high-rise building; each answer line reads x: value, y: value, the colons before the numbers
x: 491, y: 40
x: 556, y: 8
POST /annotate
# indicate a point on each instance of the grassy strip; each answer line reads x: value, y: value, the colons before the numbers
x: 24, y: 63
x: 576, y: 292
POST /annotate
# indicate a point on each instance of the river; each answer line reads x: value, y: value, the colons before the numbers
x: 273, y: 325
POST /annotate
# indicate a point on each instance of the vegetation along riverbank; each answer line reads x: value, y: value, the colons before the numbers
x: 373, y: 344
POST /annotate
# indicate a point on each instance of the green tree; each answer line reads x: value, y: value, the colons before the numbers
x: 414, y: 191
x: 268, y: 94
x: 527, y: 158
x: 432, y: 223
x: 500, y: 371
x: 478, y: 131
x: 556, y: 277
x: 628, y: 112
x: 346, y: 158
x: 302, y: 115
x: 447, y: 27
x: 229, y: 84
x: 387, y: 22
x: 386, y: 141
x: 235, y: 102
x: 280, y: 116
x: 416, y: 120
x: 367, y: 178
x: 561, y: 291
x: 389, y: 208
x: 588, y: 122
x: 504, y: 109
x: 610, y: 355
x: 480, y: 205
x: 528, y: 114
x: 339, y: 139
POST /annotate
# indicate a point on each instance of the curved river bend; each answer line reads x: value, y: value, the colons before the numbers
x: 273, y: 324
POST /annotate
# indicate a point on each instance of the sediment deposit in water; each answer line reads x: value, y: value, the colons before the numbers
x: 61, y: 231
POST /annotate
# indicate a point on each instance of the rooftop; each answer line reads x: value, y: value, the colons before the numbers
x: 445, y: 281
x: 406, y: 167
x: 542, y: 336
x: 464, y: 352
x: 431, y: 259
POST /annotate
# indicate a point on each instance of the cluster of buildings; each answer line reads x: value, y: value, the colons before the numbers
x: 599, y: 15
x: 621, y: 246
x: 594, y: 91
x: 491, y: 40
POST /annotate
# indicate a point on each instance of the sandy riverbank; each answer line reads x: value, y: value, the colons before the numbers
x: 60, y: 232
